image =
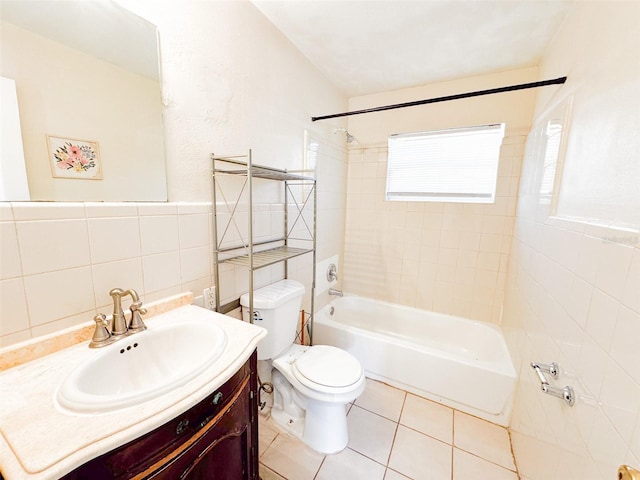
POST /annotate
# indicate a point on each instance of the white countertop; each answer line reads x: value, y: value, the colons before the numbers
x: 38, y: 441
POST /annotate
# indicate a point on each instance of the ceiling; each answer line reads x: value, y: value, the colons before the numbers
x: 376, y: 45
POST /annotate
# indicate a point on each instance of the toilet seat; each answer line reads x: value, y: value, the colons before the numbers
x: 324, y: 372
x: 306, y: 408
x: 327, y: 369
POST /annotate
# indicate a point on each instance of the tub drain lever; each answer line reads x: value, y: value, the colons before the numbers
x: 566, y: 393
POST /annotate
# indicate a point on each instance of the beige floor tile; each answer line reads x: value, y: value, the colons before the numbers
x: 466, y: 466
x: 370, y: 434
x: 292, y: 459
x: 268, y: 474
x: 382, y: 399
x: 350, y: 465
x: 428, y: 417
x: 266, y: 434
x: 420, y: 457
x: 392, y: 475
x: 483, y: 439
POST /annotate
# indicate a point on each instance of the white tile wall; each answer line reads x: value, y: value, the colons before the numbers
x: 159, y: 234
x: 60, y: 260
x: 48, y: 245
x: 114, y: 238
x: 450, y: 258
x: 572, y: 296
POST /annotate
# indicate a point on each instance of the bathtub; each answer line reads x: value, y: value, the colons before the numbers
x: 458, y: 362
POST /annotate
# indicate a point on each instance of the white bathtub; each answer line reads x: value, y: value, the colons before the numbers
x: 461, y: 363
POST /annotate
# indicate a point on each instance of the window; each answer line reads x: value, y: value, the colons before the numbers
x: 454, y: 165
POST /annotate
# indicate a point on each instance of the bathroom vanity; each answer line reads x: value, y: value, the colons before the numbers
x: 217, y: 437
x: 202, y: 427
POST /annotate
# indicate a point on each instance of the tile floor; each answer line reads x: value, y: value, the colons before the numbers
x: 395, y: 435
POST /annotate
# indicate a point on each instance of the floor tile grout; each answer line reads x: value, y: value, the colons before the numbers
x: 513, y: 455
x: 485, y: 459
x: 399, y: 423
x: 395, y: 433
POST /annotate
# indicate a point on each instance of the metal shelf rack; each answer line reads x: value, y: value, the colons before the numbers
x: 254, y: 255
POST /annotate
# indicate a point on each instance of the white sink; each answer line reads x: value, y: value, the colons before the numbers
x: 142, y: 366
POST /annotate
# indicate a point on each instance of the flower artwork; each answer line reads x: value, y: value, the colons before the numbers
x: 74, y: 158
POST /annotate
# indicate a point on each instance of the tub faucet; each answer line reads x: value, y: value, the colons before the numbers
x: 334, y: 291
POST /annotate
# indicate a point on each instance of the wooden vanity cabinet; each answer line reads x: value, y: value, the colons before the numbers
x: 217, y: 439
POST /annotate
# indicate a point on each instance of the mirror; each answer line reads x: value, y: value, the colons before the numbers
x: 87, y: 80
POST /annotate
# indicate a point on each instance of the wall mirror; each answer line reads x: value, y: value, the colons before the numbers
x: 87, y: 81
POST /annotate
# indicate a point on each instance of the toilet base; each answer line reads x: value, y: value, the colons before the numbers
x: 321, y: 426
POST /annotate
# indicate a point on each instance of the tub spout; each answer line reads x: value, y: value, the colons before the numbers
x: 333, y: 291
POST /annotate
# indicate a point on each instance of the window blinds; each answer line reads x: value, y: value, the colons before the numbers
x: 455, y: 165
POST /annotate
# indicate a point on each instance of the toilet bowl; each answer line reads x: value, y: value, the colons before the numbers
x: 312, y: 384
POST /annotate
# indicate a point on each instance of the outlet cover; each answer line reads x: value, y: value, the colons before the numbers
x: 209, y: 298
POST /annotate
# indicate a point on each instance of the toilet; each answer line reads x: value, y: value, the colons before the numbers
x: 312, y: 385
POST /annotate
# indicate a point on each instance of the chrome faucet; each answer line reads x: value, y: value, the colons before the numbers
x: 332, y: 273
x: 108, y: 332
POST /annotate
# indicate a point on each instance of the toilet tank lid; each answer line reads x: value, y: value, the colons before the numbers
x: 274, y: 295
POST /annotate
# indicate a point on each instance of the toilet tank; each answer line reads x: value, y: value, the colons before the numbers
x: 277, y: 309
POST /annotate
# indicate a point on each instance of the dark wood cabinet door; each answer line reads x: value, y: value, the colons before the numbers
x: 222, y: 450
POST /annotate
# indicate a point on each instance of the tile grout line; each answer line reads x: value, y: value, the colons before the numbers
x: 320, y: 467
x: 513, y: 456
x: 395, y: 433
x: 377, y: 414
x: 453, y: 438
x: 487, y: 460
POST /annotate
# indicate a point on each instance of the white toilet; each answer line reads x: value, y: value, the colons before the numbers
x: 312, y: 385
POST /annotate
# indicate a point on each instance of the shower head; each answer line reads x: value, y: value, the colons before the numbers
x: 350, y: 138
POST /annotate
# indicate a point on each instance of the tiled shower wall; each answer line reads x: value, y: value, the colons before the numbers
x: 450, y: 258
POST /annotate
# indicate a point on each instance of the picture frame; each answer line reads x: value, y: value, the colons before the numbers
x: 73, y: 158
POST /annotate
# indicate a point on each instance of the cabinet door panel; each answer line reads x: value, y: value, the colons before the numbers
x: 222, y: 451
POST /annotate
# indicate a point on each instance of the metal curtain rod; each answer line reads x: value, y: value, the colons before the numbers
x: 478, y: 93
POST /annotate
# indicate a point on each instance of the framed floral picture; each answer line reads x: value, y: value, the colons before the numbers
x: 71, y: 158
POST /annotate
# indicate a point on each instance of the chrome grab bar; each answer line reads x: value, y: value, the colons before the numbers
x: 566, y: 393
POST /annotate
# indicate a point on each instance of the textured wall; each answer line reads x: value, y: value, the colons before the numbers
x: 231, y: 82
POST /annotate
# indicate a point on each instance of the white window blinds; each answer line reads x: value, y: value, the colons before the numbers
x: 455, y: 165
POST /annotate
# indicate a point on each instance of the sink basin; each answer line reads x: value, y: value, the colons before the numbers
x: 142, y: 366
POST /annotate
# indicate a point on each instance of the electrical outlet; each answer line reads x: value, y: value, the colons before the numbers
x: 209, y: 298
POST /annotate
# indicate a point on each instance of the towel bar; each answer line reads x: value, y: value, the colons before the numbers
x: 566, y: 393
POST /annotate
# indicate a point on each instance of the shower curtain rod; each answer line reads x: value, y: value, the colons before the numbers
x: 478, y: 93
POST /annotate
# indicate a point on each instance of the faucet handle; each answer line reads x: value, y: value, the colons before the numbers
x: 136, y: 324
x: 101, y: 335
x: 332, y: 273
